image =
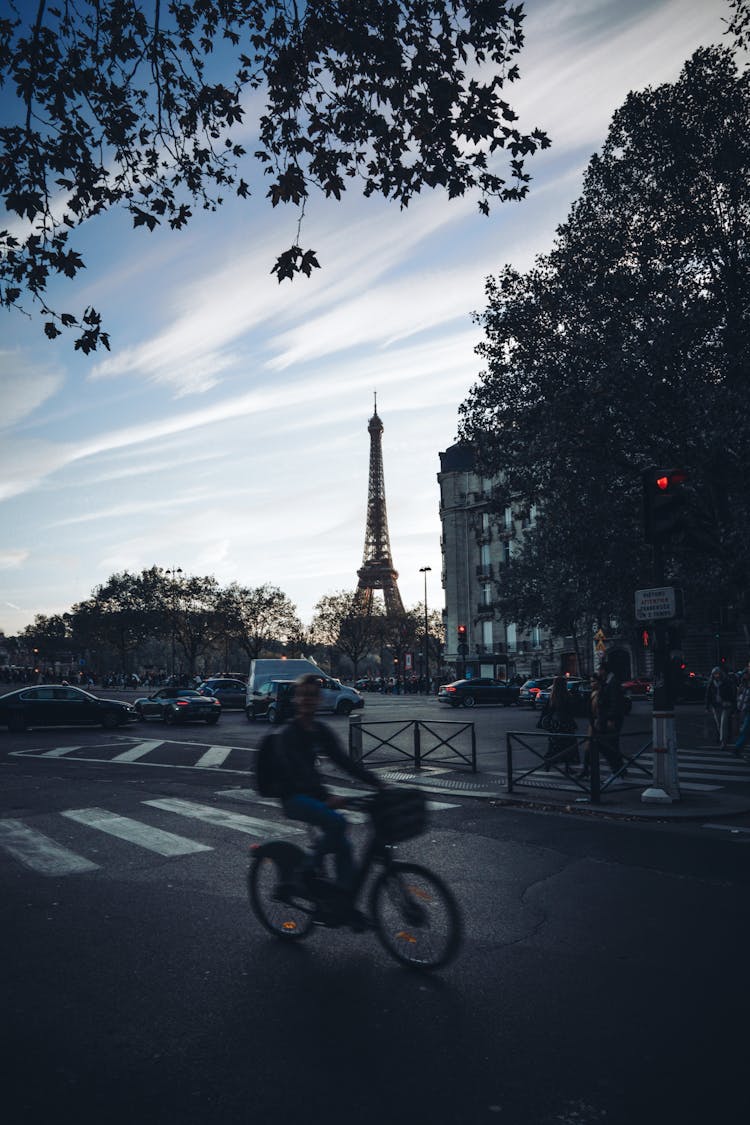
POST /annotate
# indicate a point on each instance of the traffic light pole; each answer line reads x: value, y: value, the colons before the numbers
x: 665, y: 784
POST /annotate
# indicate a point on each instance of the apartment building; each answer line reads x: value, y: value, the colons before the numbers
x: 478, y: 540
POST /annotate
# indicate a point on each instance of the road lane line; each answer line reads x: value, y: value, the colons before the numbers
x: 138, y: 751
x: 142, y: 835
x: 214, y: 757
x: 225, y: 819
x: 37, y: 851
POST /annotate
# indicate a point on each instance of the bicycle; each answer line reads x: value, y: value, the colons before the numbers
x: 412, y: 911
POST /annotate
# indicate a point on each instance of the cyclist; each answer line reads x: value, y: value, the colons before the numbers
x: 303, y: 795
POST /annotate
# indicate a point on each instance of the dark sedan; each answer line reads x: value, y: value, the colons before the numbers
x: 230, y: 693
x: 467, y: 693
x: 179, y: 705
x: 52, y: 705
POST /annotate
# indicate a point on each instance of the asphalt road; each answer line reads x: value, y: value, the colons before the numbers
x: 602, y: 977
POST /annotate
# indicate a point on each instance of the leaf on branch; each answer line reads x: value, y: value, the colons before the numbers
x: 143, y: 218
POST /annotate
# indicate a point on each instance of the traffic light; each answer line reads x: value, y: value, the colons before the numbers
x: 663, y: 503
x: 463, y: 648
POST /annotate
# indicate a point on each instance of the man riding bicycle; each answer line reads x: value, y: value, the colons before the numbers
x: 303, y: 795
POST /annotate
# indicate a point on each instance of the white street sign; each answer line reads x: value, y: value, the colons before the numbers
x: 656, y: 605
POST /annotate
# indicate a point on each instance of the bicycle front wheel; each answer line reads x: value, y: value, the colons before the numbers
x: 416, y: 917
x: 273, y: 897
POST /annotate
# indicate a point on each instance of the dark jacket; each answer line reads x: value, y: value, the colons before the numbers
x: 298, y: 753
x: 724, y: 690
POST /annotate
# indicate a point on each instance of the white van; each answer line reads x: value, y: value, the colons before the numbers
x: 334, y: 696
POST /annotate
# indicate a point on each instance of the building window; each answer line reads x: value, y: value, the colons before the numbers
x: 511, y: 634
x: 507, y: 554
x: 536, y: 637
x: 487, y: 635
x: 487, y: 593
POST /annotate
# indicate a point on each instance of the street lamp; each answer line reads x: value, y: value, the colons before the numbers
x: 173, y: 572
x: 423, y: 570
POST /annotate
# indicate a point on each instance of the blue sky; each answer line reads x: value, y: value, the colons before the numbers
x: 226, y: 431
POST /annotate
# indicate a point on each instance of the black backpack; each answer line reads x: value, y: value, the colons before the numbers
x: 268, y: 767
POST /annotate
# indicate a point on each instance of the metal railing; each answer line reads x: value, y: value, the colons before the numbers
x: 414, y: 740
x: 557, y: 764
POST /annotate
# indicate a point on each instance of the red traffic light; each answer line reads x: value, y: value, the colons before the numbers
x: 669, y: 480
x: 664, y: 503
x: 462, y: 630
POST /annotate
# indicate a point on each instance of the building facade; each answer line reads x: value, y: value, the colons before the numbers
x: 477, y: 542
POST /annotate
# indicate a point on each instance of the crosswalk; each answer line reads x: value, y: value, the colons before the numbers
x: 45, y: 853
x: 158, y: 752
x: 703, y: 770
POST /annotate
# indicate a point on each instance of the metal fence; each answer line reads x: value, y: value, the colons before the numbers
x: 413, y: 740
x: 557, y: 768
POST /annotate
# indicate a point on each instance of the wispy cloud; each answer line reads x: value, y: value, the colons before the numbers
x: 11, y: 560
x: 24, y: 386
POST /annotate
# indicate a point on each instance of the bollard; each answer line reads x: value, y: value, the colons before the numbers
x: 417, y: 747
x: 355, y: 738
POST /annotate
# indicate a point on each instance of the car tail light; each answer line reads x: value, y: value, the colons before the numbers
x: 450, y: 688
x: 182, y: 703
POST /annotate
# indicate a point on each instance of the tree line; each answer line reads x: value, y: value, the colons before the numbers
x: 174, y: 622
x: 624, y: 347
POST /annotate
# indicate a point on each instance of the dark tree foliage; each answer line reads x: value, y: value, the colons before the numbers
x: 138, y: 104
x: 739, y: 23
x: 626, y: 346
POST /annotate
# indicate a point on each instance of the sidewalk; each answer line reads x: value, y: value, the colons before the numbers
x: 543, y: 793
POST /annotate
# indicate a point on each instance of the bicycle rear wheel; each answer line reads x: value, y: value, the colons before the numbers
x: 271, y: 884
x: 416, y: 917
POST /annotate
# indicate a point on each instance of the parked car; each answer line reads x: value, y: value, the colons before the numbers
x: 467, y: 693
x: 61, y: 705
x: 230, y: 693
x: 637, y: 688
x: 179, y: 705
x: 529, y: 690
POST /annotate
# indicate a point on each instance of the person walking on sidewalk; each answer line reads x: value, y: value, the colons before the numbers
x: 557, y: 718
x: 720, y: 701
x: 743, y: 710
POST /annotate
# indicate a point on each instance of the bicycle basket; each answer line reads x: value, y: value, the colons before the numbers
x: 399, y: 814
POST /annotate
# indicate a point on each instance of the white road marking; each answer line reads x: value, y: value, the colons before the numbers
x: 60, y: 751
x: 735, y: 829
x: 142, y: 835
x: 224, y: 818
x: 138, y: 751
x: 38, y: 852
x: 215, y: 756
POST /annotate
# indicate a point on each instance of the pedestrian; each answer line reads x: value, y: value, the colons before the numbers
x: 557, y: 718
x: 743, y: 711
x: 720, y: 701
x: 610, y: 714
x: 596, y: 685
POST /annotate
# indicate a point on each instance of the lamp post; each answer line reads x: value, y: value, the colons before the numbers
x: 173, y: 572
x: 424, y: 570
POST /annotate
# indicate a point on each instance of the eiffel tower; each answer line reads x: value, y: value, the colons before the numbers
x: 376, y: 572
